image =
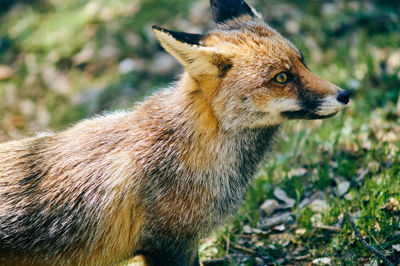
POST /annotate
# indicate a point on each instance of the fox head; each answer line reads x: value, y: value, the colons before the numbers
x: 248, y: 73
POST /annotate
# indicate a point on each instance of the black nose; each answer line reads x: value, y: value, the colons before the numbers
x: 343, y: 97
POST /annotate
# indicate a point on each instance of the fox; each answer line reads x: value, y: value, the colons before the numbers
x: 155, y: 179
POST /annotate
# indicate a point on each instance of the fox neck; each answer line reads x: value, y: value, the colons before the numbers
x: 211, y: 148
x: 206, y: 167
x: 220, y: 163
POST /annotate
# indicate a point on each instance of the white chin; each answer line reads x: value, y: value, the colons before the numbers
x: 330, y: 106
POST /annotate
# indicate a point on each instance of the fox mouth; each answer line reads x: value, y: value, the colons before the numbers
x: 305, y: 114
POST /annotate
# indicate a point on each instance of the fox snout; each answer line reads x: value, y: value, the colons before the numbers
x: 330, y: 105
x: 343, y: 97
x: 316, y: 97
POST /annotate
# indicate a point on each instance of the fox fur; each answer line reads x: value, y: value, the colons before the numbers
x: 155, y: 179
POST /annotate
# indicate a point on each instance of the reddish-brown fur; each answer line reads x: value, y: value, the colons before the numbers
x: 153, y: 180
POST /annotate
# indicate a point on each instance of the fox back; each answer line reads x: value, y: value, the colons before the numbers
x: 154, y: 180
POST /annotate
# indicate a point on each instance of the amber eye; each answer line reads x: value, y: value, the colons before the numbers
x: 282, y: 78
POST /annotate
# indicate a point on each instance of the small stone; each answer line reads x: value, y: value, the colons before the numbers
x: 5, y: 72
x: 316, y: 219
x: 85, y: 55
x: 43, y: 117
x: 281, y: 195
x: 257, y: 231
x: 297, y: 172
x: 304, y: 203
x: 396, y: 247
x: 362, y: 172
x: 269, y: 206
x: 132, y: 39
x: 353, y: 84
x: 371, y: 263
x: 199, y: 12
x: 106, y: 14
x: 319, y: 205
x: 392, y: 205
x: 259, y: 244
x: 247, y: 229
x: 280, y: 228
x: 162, y: 64
x: 301, y: 231
x: 109, y: 51
x: 57, y: 81
x: 27, y: 108
x: 127, y: 65
x: 292, y: 26
x: 259, y: 261
x: 329, y: 9
x: 393, y: 62
x: 377, y: 227
x: 91, y: 9
x: 322, y: 261
x: 342, y: 188
x: 373, y: 166
x: 275, y: 220
x: 348, y: 196
x: 398, y: 101
x: 394, y: 202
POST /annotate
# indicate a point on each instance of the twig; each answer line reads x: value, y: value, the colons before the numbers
x: 244, y: 249
x: 304, y: 257
x: 365, y: 244
x: 215, y: 261
x: 228, y: 242
x: 328, y: 228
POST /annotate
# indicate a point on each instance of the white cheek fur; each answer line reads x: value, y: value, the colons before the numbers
x: 281, y: 105
x: 273, y: 109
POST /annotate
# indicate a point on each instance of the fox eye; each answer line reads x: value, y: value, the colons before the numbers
x: 282, y: 78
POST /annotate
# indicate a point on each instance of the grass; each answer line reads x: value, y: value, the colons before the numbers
x: 373, y: 173
x: 351, y: 43
x: 363, y: 150
x: 360, y: 146
x: 344, y: 148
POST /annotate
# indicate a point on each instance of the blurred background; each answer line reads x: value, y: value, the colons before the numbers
x: 65, y: 60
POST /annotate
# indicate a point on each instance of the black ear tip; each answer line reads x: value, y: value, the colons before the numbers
x: 155, y: 27
x: 189, y: 38
x: 213, y: 3
x: 223, y: 10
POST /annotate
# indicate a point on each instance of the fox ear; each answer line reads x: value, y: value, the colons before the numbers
x: 183, y: 37
x: 187, y: 48
x: 224, y: 10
